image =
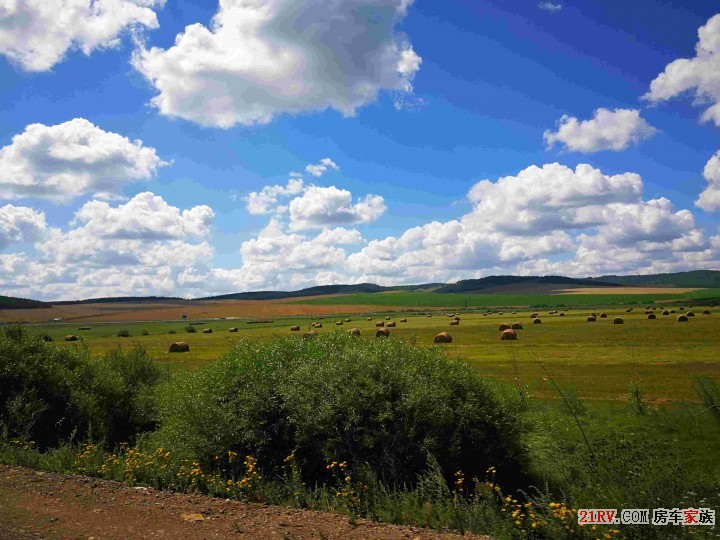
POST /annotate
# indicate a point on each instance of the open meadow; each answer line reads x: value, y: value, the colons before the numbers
x: 597, y: 359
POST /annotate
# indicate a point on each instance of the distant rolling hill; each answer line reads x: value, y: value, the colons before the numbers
x: 494, y: 282
x: 705, y: 279
x: 359, y: 288
x: 9, y: 302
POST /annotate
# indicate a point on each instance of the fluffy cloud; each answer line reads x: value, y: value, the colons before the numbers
x: 549, y: 6
x: 700, y: 75
x: 262, y: 58
x: 321, y: 167
x: 36, y: 34
x: 20, y: 224
x: 709, y: 199
x: 607, y: 130
x: 71, y: 159
x: 324, y: 206
x: 141, y: 247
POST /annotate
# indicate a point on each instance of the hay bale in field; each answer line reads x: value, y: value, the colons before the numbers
x: 603, y: 315
x: 370, y: 318
x: 339, y: 323
x: 690, y: 314
x: 666, y: 312
x: 391, y: 324
x: 309, y: 335
x: 706, y: 312
x: 354, y: 332
x: 387, y: 318
x: 443, y: 337
x: 403, y: 320
x: 503, y: 327
x: 591, y: 319
x: 379, y: 324
x: 207, y: 330
x: 347, y: 320
x: 454, y: 323
x: 233, y: 329
x: 84, y: 328
x: 672, y: 311
x: 71, y: 338
x: 458, y: 318
x: 514, y: 313
x: 534, y: 315
x: 618, y: 320
x: 516, y: 326
x: 179, y: 346
x: 681, y: 309
x: 508, y: 334
x: 562, y: 314
x: 498, y: 313
x: 682, y: 318
x: 536, y: 321
x: 295, y: 328
x: 628, y: 310
x: 651, y: 316
x: 382, y: 332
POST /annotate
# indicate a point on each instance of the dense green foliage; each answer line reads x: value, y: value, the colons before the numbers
x: 386, y: 403
x: 49, y: 394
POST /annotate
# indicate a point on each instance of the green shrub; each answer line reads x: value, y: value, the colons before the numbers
x: 172, y: 331
x: 145, y: 332
x: 190, y: 329
x: 50, y: 393
x: 384, y: 403
x: 123, y: 333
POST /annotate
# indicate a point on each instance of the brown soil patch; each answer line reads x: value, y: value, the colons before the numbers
x: 172, y: 311
x: 36, y: 505
x: 625, y: 290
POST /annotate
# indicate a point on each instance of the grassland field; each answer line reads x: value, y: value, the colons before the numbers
x: 597, y: 360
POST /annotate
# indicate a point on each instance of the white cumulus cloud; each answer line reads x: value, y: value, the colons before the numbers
x: 709, y: 199
x: 74, y: 158
x: 321, y: 167
x: 607, y: 130
x: 550, y: 6
x: 36, y: 34
x: 699, y: 75
x: 20, y: 224
x: 325, y: 206
x: 262, y: 58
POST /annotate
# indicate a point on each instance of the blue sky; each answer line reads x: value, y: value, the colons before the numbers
x: 460, y: 139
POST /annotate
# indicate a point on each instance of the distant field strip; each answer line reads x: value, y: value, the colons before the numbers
x: 425, y: 299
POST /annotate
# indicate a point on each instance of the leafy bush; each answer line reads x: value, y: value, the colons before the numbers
x: 384, y: 403
x: 172, y: 331
x: 123, y: 333
x: 145, y: 332
x: 51, y: 393
x: 190, y: 329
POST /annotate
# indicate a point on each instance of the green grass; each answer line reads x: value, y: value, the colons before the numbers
x: 428, y: 299
x: 598, y: 359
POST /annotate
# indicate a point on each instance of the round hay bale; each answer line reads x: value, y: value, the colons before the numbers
x: 536, y: 321
x: 666, y: 312
x: 591, y: 319
x: 458, y: 318
x: 179, y: 346
x: 317, y: 325
x: 682, y: 318
x: 534, y: 315
x: 370, y: 318
x: 681, y: 309
x: 562, y: 314
x: 295, y: 328
x: 71, y: 338
x: 508, y: 334
x: 387, y: 318
x: 672, y: 311
x: 514, y: 313
x: 443, y: 337
x: 706, y: 312
x: 618, y: 320
x: 207, y: 330
x: 354, y: 332
x: 503, y: 327
x: 651, y: 316
x: 628, y: 310
x: 347, y: 320
x: 690, y: 314
x: 382, y: 332
x: 454, y: 323
x: 391, y: 324
x: 84, y: 328
x: 309, y: 335
x: 603, y: 315
x: 516, y: 326
x: 379, y: 324
x: 339, y: 323
x: 403, y: 320
x: 500, y: 313
x: 233, y: 329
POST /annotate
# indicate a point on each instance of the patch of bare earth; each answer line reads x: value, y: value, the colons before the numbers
x: 35, y: 505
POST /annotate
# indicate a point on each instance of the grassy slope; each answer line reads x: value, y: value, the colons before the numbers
x: 427, y: 299
x: 597, y: 359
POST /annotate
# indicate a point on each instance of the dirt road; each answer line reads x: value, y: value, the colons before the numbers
x: 36, y: 505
